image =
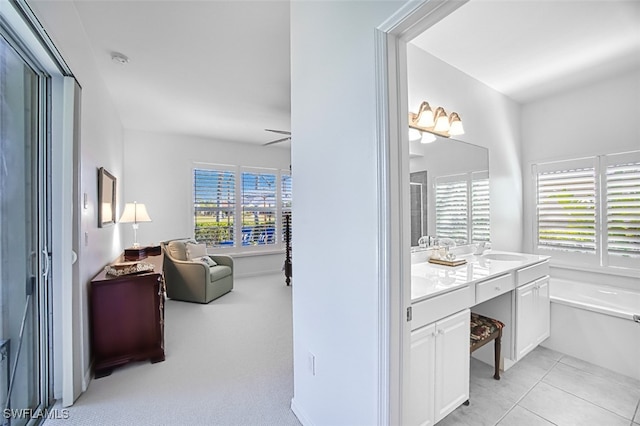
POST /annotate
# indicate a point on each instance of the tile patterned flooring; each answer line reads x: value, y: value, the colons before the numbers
x: 549, y: 388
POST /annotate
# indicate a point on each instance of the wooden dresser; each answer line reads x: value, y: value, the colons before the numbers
x: 127, y: 318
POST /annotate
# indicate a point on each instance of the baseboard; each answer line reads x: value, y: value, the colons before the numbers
x: 87, y: 378
x: 300, y: 414
x: 260, y: 273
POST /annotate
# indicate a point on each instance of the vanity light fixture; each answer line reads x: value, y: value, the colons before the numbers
x: 414, y: 134
x: 427, y: 137
x: 435, y: 122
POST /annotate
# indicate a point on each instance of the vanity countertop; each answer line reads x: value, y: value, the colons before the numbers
x: 428, y: 279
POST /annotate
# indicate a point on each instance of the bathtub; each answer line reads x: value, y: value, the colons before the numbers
x: 596, y: 323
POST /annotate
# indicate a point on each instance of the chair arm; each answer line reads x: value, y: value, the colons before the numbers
x: 221, y: 259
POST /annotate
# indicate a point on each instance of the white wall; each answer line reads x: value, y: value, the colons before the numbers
x: 159, y: 173
x: 101, y: 141
x: 601, y: 118
x: 491, y: 120
x: 335, y: 291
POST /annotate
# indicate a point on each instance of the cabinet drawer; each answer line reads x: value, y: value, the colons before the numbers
x: 438, y: 307
x: 531, y: 273
x: 494, y: 287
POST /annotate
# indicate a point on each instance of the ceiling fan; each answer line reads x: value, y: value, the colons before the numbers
x: 282, y: 132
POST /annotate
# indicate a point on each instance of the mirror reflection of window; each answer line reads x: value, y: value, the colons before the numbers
x: 458, y: 172
x: 419, y: 205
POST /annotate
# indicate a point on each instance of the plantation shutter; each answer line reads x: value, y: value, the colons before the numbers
x: 452, y: 208
x: 214, y: 206
x: 286, y: 193
x: 623, y: 208
x: 566, y: 209
x: 258, y: 208
x: 480, y: 213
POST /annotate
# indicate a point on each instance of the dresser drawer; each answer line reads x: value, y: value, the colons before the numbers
x: 489, y: 289
x: 438, y: 307
x: 532, y: 273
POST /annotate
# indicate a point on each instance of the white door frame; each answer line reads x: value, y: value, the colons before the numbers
x: 394, y: 267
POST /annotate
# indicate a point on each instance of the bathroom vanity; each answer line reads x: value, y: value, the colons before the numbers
x: 511, y: 287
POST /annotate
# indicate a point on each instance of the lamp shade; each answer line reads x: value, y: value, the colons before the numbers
x: 442, y: 121
x: 425, y: 115
x: 135, y: 213
x: 455, y: 124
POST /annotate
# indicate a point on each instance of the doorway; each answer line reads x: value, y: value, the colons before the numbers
x: 24, y: 236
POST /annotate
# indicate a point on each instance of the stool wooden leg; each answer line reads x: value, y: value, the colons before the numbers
x: 497, y: 348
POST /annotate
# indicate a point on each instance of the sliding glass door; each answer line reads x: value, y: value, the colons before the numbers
x: 24, y: 256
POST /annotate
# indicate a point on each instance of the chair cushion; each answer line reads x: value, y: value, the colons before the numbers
x: 177, y: 250
x: 482, y: 327
x: 195, y: 251
x: 219, y: 272
x: 206, y: 259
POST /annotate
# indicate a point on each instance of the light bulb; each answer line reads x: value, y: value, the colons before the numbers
x: 414, y: 134
x: 455, y: 124
x: 427, y: 137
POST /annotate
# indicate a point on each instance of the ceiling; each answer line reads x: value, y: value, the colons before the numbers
x: 530, y: 49
x: 213, y: 69
x: 221, y: 69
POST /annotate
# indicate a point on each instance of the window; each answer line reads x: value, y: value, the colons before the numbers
x: 214, y: 204
x: 258, y: 208
x: 224, y: 196
x: 462, y: 207
x: 589, y: 209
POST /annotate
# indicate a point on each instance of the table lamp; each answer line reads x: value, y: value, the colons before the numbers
x: 135, y: 213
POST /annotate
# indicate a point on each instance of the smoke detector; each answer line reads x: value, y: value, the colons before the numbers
x: 119, y: 58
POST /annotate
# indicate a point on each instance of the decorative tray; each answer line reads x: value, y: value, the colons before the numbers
x: 455, y: 262
x: 127, y: 268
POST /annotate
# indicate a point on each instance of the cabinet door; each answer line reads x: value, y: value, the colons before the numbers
x: 452, y: 363
x: 421, y: 391
x: 526, y: 319
x: 543, y: 310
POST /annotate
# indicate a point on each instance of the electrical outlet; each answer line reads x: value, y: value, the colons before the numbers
x: 311, y: 364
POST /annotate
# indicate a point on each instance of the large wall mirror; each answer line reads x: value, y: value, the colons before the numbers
x: 449, y: 191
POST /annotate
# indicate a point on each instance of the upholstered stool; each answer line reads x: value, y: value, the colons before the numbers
x: 484, y: 330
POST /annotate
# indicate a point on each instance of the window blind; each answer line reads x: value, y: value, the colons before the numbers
x: 480, y: 214
x: 214, y: 206
x: 566, y: 209
x: 451, y: 209
x: 286, y: 194
x: 623, y: 209
x: 258, y: 208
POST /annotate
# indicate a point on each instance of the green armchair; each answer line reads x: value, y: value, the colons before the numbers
x: 194, y: 280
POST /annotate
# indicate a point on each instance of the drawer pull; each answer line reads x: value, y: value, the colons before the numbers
x: 498, y: 288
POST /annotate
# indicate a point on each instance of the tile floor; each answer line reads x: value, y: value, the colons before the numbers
x: 549, y: 388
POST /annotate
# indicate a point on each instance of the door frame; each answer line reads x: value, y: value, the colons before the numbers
x: 394, y: 268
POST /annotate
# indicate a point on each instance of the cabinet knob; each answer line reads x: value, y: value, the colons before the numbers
x: 498, y: 288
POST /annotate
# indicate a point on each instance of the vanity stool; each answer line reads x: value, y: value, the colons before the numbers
x: 484, y: 330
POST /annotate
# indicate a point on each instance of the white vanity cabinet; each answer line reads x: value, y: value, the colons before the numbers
x: 532, y: 309
x: 439, y: 368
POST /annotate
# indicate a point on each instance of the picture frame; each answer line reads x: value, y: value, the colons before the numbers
x: 106, y: 198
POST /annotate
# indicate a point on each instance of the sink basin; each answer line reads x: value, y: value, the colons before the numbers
x: 503, y: 256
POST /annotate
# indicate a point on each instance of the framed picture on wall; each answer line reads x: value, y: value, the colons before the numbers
x: 106, y: 198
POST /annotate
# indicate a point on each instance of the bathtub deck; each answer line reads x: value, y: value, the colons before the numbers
x: 546, y: 388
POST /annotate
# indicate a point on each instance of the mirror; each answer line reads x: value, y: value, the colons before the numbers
x: 106, y: 198
x: 449, y: 191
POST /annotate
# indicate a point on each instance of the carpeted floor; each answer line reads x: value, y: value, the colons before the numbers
x: 227, y: 363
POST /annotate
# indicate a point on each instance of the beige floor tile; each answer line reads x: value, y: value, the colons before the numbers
x: 602, y: 391
x: 522, y: 417
x: 565, y: 409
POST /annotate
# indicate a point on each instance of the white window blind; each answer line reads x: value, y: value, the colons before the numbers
x: 214, y: 206
x: 452, y: 209
x: 286, y: 194
x: 258, y: 208
x: 567, y: 209
x: 623, y: 209
x: 480, y: 213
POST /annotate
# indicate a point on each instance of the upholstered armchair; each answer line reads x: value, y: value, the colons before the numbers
x: 193, y: 276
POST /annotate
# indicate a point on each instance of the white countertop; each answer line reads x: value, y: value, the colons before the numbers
x: 428, y: 279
